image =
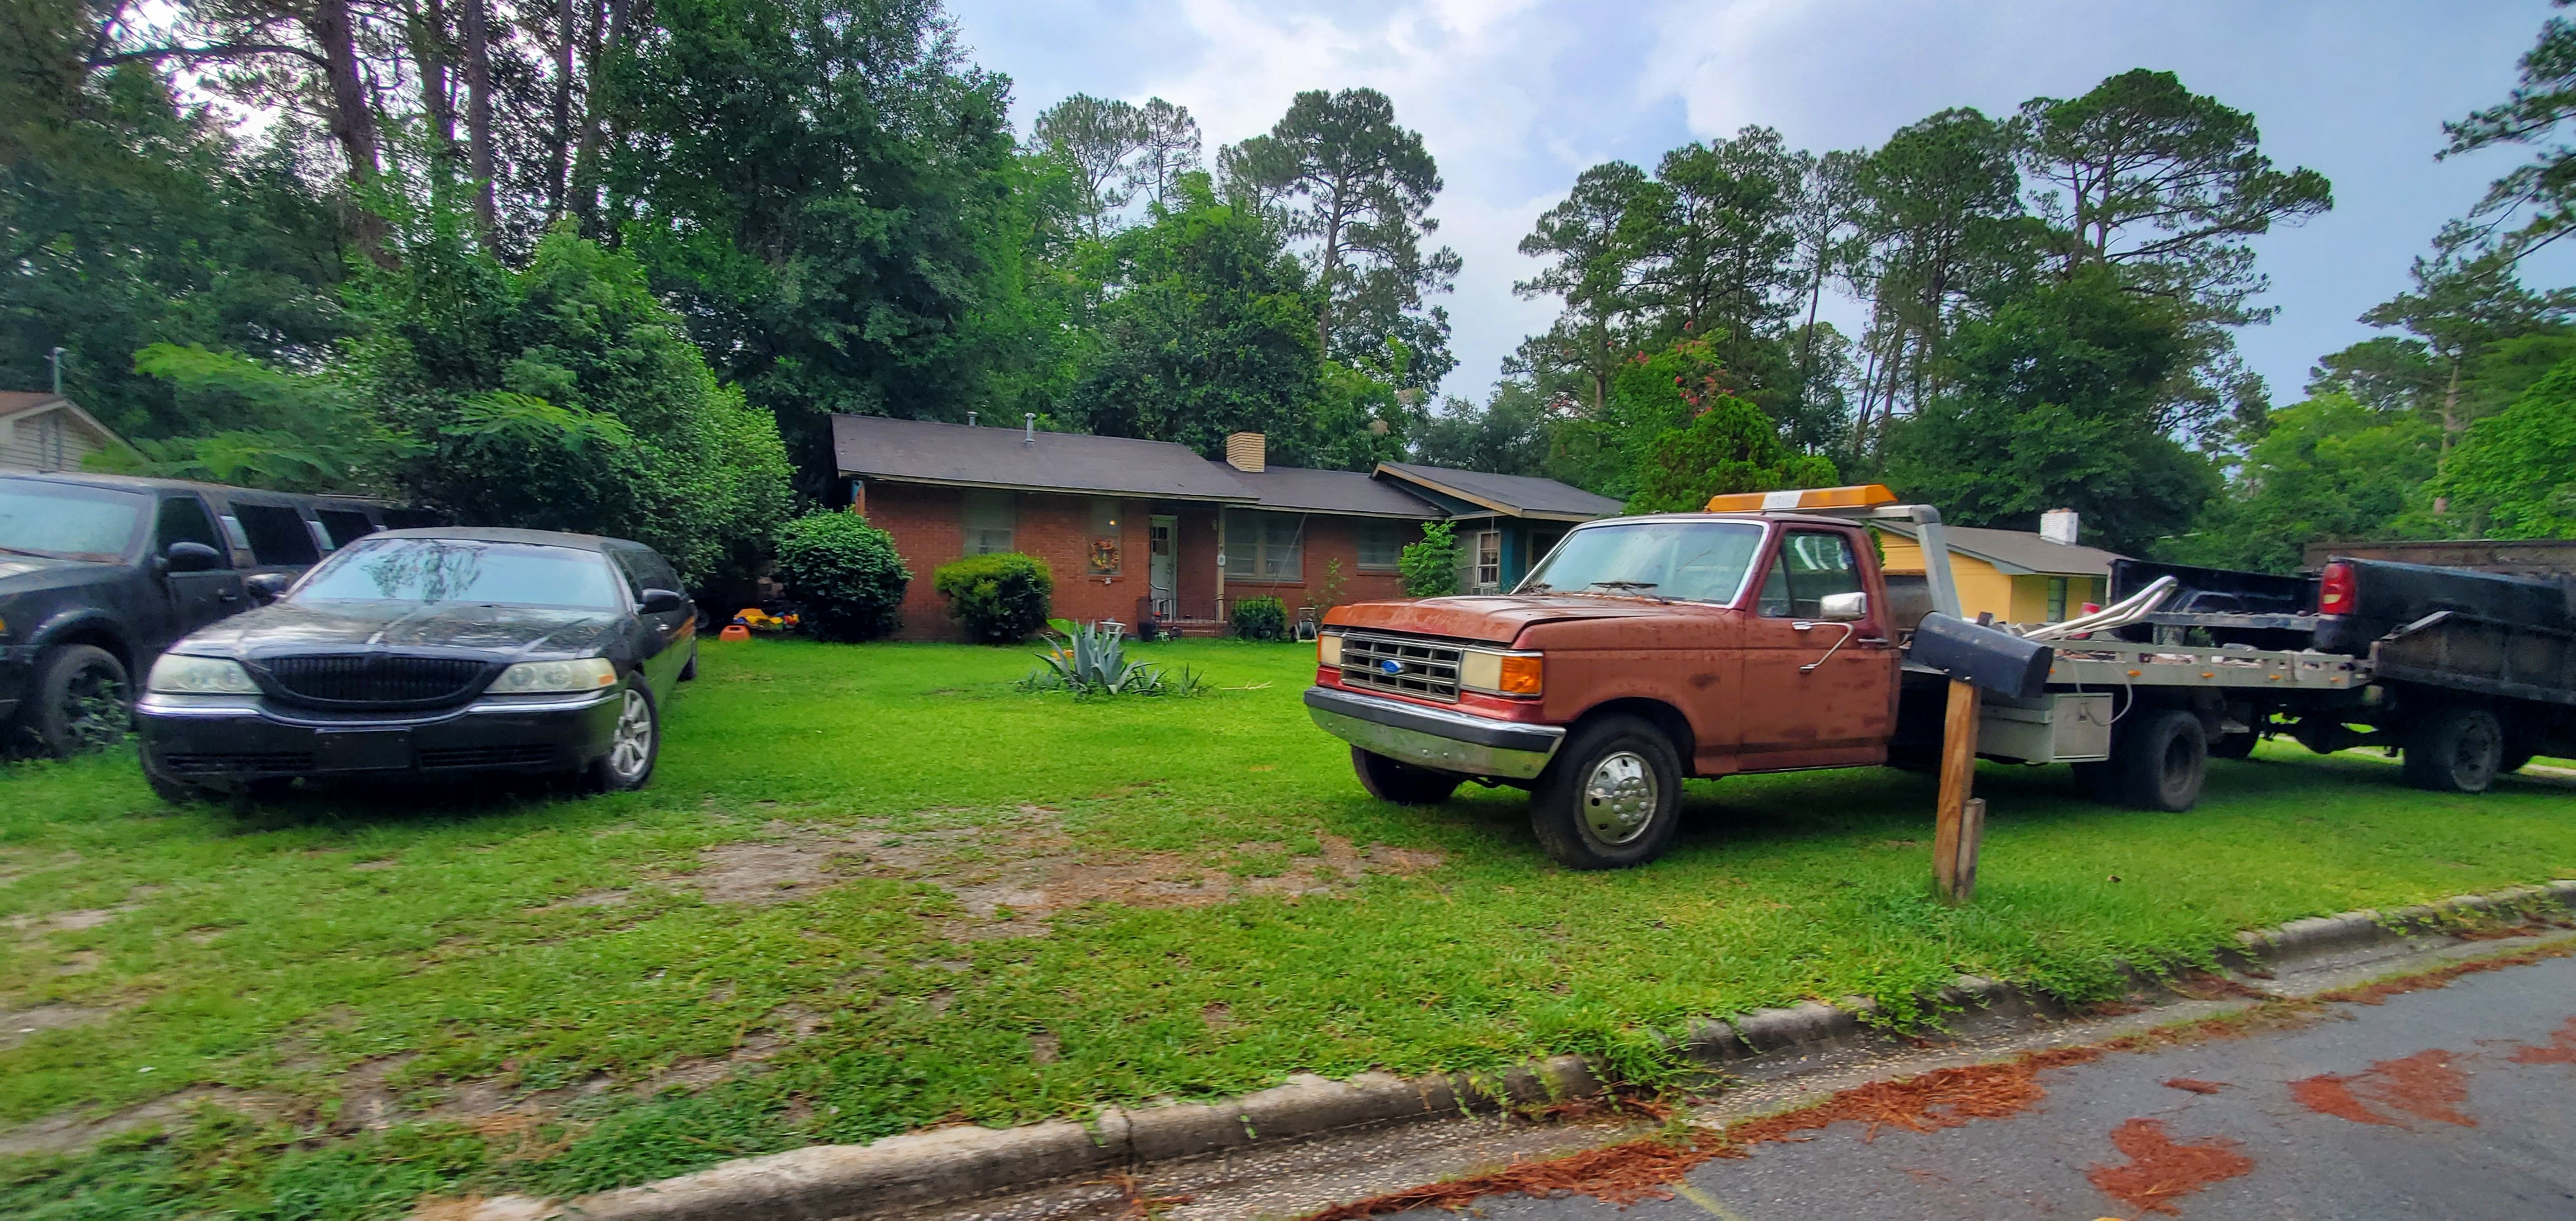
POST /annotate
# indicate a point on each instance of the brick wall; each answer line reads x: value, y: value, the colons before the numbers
x: 928, y: 525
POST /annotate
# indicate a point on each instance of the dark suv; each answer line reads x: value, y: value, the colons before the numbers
x: 99, y: 573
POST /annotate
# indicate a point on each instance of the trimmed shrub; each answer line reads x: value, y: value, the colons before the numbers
x: 1430, y: 567
x: 1001, y: 598
x: 1261, y: 619
x: 843, y: 574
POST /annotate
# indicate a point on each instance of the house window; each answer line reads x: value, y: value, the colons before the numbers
x: 2057, y: 600
x: 1489, y: 562
x: 1105, y: 539
x: 1263, y: 546
x: 1381, y: 545
x: 989, y: 517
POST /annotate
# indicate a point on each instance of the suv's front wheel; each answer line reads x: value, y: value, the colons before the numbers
x: 1612, y: 797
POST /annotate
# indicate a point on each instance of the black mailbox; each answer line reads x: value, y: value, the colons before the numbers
x: 1991, y: 658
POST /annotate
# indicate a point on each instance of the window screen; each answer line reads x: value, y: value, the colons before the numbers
x: 2057, y: 599
x: 1489, y: 561
x: 346, y: 525
x: 183, y: 520
x: 1381, y: 544
x: 1105, y: 537
x: 1264, y: 546
x: 989, y: 518
x: 1809, y: 567
x: 277, y: 535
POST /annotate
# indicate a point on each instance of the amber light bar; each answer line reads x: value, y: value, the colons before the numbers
x: 1857, y: 496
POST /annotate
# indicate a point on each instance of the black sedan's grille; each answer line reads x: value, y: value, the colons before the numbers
x: 1406, y: 667
x: 205, y: 765
x: 519, y: 755
x: 376, y: 678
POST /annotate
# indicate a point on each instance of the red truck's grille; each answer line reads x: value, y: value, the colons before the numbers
x: 1405, y: 667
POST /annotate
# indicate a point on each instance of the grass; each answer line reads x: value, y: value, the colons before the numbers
x: 288, y: 979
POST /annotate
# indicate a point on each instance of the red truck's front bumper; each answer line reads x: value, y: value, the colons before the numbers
x: 1433, y: 736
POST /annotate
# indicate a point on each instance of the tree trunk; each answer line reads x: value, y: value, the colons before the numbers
x: 430, y: 52
x: 478, y: 116
x: 585, y: 162
x: 559, y: 158
x: 1332, y: 263
x: 352, y: 121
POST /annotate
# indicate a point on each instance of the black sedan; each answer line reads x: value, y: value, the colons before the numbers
x: 428, y: 653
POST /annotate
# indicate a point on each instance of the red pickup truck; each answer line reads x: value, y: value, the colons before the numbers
x: 1642, y: 650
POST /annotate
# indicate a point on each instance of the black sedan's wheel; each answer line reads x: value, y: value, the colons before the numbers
x: 78, y: 702
x: 1400, y: 782
x: 2455, y: 750
x: 634, y: 746
x: 1612, y: 797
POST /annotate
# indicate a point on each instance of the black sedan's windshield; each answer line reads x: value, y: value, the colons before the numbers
x: 430, y: 570
x: 1689, y: 561
x: 67, y: 522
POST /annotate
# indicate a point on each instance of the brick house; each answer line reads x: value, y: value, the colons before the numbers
x: 1134, y: 530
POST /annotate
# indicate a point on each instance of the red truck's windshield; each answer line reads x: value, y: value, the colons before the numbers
x: 1689, y: 561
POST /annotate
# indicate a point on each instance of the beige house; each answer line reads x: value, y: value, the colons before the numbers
x: 2020, y: 576
x: 47, y: 432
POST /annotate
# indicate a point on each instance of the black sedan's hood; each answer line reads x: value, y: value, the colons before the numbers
x: 511, y: 632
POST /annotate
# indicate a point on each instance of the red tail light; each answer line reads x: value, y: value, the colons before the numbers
x: 2335, y: 590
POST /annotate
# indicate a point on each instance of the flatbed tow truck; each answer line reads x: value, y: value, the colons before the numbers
x: 1761, y: 636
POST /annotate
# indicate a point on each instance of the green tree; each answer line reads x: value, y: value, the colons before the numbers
x: 1430, y: 567
x: 2327, y: 468
x: 1730, y: 446
x: 2054, y: 401
x: 2540, y: 194
x: 1346, y: 176
x: 1598, y: 238
x: 2514, y: 473
x: 1722, y: 241
x: 816, y: 187
x: 1097, y: 137
x: 1508, y: 435
x: 1941, y: 202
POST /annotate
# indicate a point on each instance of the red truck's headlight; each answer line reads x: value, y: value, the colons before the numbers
x: 1498, y: 673
x: 1328, y: 649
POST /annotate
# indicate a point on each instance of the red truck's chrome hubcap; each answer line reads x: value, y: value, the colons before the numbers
x: 1619, y: 797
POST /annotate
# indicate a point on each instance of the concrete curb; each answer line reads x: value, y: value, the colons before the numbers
x: 822, y: 1182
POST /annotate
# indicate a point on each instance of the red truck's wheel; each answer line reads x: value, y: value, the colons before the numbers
x: 1612, y: 797
x: 1402, y: 783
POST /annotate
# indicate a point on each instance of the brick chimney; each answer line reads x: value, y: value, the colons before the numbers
x: 2058, y: 526
x: 1247, y: 452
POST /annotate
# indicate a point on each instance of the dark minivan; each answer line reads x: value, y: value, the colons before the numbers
x: 416, y: 653
x: 99, y: 573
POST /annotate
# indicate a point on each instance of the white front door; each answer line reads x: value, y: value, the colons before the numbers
x: 1160, y: 567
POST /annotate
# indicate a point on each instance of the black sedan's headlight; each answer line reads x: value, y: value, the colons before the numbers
x: 181, y: 674
x: 555, y: 677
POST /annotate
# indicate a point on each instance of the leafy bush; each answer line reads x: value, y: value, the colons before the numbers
x: 843, y: 574
x: 1261, y: 619
x: 1092, y: 660
x: 1430, y: 567
x: 1001, y: 598
x: 1730, y: 446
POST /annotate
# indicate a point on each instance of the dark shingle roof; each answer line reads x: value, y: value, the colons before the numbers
x: 2020, y: 552
x: 1517, y: 495
x: 1299, y: 490
x: 920, y: 451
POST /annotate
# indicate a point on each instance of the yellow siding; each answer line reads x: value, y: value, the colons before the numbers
x: 1981, y: 587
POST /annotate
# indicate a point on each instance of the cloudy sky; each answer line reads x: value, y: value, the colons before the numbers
x: 1515, y: 97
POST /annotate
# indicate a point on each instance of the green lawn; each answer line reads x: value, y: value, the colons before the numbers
x: 874, y: 888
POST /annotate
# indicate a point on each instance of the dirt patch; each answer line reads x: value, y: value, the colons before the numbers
x: 2560, y: 1049
x: 1011, y: 876
x: 19, y: 1025
x: 2194, y: 1086
x: 81, y: 962
x: 2425, y: 1085
x: 590, y: 898
x: 1621, y: 1175
x: 73, y: 1131
x: 2160, y: 1171
x: 1942, y: 1098
x: 2378, y: 993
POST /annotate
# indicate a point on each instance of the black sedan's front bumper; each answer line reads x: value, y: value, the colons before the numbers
x: 214, y: 739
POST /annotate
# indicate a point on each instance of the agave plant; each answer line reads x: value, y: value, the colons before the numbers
x: 1091, y: 659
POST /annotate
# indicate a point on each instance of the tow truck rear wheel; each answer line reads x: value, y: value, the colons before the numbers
x: 2159, y: 762
x: 1400, y: 782
x: 2458, y: 749
x: 1612, y: 797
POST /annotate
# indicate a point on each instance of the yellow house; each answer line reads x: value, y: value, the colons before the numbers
x: 2019, y: 576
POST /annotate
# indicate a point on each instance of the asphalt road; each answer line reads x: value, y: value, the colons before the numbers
x: 2457, y: 1102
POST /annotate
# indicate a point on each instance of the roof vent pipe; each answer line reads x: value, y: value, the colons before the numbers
x: 1029, y: 421
x: 970, y: 419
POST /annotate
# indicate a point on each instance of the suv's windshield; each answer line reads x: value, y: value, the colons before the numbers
x: 462, y: 570
x: 1690, y: 561
x: 66, y: 521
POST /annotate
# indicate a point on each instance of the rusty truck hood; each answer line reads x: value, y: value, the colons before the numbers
x: 1498, y: 618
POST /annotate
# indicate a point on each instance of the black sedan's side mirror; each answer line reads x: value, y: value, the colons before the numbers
x: 660, y: 602
x: 193, y: 557
x: 265, y: 587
